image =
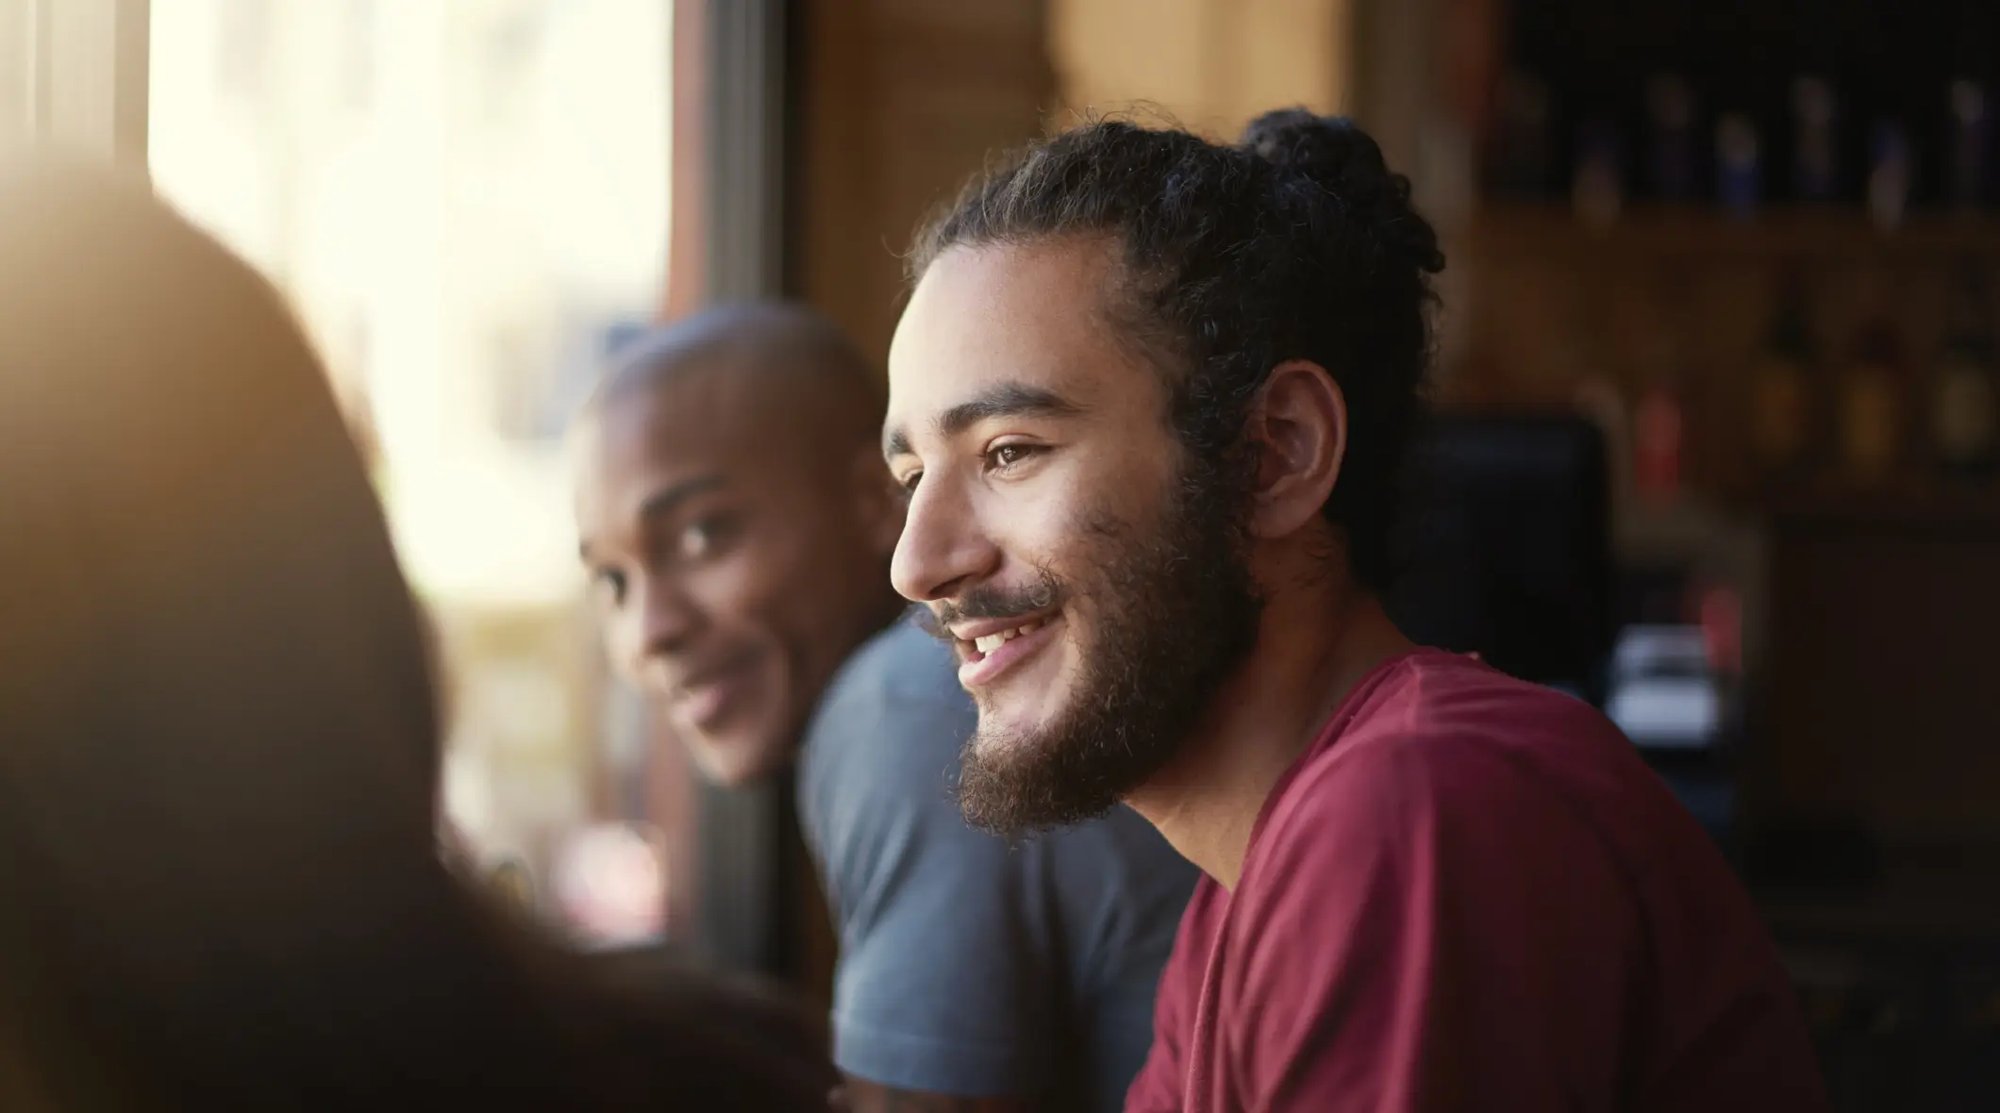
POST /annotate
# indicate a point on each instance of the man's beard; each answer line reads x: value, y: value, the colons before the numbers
x: 1169, y: 617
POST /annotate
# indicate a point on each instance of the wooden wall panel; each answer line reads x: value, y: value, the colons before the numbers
x: 1210, y: 65
x: 896, y: 102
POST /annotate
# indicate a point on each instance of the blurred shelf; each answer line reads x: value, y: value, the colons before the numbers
x: 1553, y: 231
x: 1973, y: 514
x: 1699, y: 523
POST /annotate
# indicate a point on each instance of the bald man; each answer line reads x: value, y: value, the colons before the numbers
x: 737, y: 525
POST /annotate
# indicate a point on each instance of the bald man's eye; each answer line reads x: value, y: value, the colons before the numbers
x: 909, y: 482
x: 707, y: 536
x: 608, y: 584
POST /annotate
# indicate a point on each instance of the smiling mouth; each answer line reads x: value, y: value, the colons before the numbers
x: 984, y: 658
x: 710, y: 677
x: 705, y: 697
x: 985, y: 644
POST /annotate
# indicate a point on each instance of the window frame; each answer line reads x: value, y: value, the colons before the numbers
x: 85, y: 88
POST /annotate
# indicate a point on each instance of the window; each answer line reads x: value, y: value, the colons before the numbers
x: 467, y: 202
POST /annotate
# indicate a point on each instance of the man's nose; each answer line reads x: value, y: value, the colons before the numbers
x: 668, y: 617
x: 943, y: 546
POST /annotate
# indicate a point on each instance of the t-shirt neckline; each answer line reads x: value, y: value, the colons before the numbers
x: 1328, y: 731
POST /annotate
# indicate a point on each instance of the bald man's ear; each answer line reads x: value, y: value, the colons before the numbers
x: 878, y: 505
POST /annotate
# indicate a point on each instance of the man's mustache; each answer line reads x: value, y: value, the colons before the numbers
x: 986, y: 602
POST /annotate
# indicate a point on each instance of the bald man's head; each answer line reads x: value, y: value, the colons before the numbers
x: 790, y: 360
x: 737, y: 523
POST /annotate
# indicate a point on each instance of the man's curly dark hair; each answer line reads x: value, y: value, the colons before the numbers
x: 1296, y: 243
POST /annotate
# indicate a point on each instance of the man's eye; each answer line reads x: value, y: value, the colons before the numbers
x: 909, y: 482
x: 1003, y: 456
x: 706, y: 536
x: 609, y: 583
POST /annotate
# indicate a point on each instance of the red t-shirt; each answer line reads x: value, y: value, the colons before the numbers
x: 1471, y: 893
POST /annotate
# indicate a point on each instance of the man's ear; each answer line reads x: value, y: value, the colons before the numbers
x: 878, y: 505
x: 1298, y: 432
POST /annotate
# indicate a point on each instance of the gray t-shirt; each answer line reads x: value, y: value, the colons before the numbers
x: 970, y: 965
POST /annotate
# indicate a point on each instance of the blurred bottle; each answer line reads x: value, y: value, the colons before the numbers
x: 1599, y: 398
x: 1965, y: 385
x: 1718, y: 611
x: 1659, y: 413
x: 1739, y: 172
x: 1670, y: 112
x: 1966, y: 160
x: 1780, y: 389
x: 1889, y: 170
x: 1872, y: 405
x: 1815, y: 154
x: 1659, y: 437
x: 1598, y: 191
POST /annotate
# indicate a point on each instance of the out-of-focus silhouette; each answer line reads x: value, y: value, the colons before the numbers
x: 219, y: 884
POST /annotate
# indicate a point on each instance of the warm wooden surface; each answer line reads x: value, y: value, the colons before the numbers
x: 897, y: 102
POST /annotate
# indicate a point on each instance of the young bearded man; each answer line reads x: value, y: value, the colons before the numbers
x: 1148, y: 402
x: 738, y: 528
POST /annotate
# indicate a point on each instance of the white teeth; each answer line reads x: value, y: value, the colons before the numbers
x: 991, y: 642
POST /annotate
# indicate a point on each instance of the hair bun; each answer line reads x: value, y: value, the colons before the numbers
x: 1345, y: 162
x: 1328, y: 148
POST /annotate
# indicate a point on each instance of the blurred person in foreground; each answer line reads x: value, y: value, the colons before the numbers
x: 219, y: 884
x: 737, y: 525
x: 1148, y: 400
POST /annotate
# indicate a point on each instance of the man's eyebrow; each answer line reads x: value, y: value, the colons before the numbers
x: 1003, y: 400
x: 663, y: 501
x: 895, y: 443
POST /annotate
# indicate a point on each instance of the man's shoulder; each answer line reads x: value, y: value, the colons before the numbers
x: 1437, y: 710
x: 900, y: 666
x: 896, y: 701
x: 1445, y: 740
x: 905, y: 648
